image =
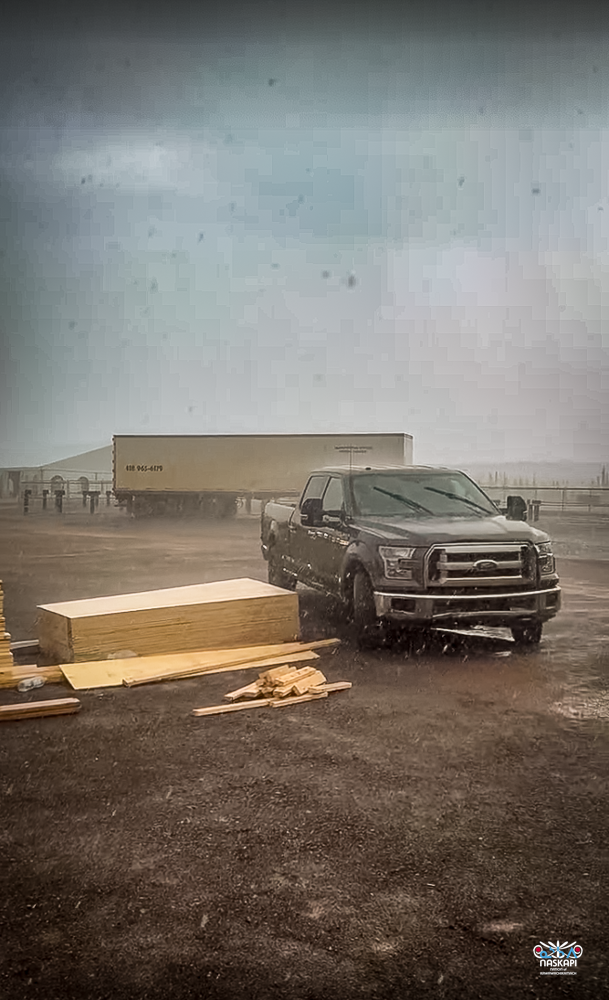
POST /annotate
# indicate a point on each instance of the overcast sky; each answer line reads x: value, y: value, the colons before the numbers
x: 292, y: 218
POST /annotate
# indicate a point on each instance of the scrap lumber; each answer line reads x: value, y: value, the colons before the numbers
x: 249, y: 691
x: 223, y: 614
x: 148, y: 669
x: 298, y: 682
x: 297, y: 699
x: 329, y: 688
x: 12, y: 676
x: 261, y: 703
x: 37, y: 709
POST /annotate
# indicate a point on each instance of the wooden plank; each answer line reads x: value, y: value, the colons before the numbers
x: 36, y: 709
x: 221, y: 709
x: 298, y: 699
x: 292, y: 680
x: 304, y: 685
x: 132, y: 678
x: 260, y: 703
x: 179, y: 675
x: 12, y: 676
x: 274, y: 675
x: 335, y: 686
x: 229, y: 613
x: 200, y: 672
x: 249, y: 691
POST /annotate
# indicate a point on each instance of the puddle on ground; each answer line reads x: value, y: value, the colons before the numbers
x: 580, y: 705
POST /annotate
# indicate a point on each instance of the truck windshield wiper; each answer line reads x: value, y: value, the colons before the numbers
x: 409, y: 503
x: 455, y: 496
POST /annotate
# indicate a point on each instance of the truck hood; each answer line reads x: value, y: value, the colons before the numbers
x: 434, y: 530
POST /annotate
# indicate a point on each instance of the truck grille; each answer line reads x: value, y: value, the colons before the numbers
x: 466, y: 565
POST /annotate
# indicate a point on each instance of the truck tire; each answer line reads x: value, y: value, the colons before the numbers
x: 527, y: 633
x: 365, y: 621
x: 277, y: 576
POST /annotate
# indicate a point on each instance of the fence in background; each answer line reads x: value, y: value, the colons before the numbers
x: 53, y: 495
x: 540, y: 499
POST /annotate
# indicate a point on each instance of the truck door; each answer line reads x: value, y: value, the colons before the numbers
x: 332, y: 536
x: 302, y: 537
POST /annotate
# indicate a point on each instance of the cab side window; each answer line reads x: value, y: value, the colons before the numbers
x: 314, y: 489
x: 333, y: 501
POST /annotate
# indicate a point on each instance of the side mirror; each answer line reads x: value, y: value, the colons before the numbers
x: 516, y: 509
x: 310, y: 512
x: 333, y: 518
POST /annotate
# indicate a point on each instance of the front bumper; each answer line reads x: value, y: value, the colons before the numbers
x: 538, y: 605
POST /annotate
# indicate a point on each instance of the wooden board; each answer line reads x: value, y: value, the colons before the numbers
x: 146, y: 669
x: 225, y: 614
x: 12, y: 676
x: 36, y: 709
x: 261, y: 703
x: 181, y: 675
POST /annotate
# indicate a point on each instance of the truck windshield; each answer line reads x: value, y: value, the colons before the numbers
x: 419, y: 495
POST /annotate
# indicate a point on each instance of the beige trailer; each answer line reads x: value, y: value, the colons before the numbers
x: 210, y: 473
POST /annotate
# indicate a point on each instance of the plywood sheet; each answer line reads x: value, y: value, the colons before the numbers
x: 113, y: 673
x: 176, y: 597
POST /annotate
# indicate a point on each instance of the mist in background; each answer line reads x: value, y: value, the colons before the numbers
x: 304, y: 218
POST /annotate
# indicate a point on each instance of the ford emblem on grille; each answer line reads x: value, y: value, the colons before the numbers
x: 485, y: 565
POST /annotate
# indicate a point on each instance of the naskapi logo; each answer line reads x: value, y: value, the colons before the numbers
x: 556, y: 959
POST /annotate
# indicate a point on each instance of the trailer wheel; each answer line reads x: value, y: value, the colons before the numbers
x: 277, y: 576
x: 527, y: 633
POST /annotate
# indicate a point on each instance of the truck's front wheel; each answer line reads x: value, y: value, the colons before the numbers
x: 364, y: 611
x: 527, y: 633
x: 277, y: 576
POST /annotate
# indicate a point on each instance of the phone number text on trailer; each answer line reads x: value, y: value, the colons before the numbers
x: 144, y: 468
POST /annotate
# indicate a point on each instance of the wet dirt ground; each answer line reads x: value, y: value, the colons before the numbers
x: 416, y: 836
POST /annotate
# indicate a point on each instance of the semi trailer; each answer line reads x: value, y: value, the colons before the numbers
x: 210, y: 474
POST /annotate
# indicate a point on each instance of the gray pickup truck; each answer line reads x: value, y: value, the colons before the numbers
x: 415, y: 546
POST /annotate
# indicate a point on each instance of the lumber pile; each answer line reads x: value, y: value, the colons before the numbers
x: 223, y: 615
x: 132, y: 671
x: 13, y: 675
x: 36, y: 709
x: 6, y: 657
x: 275, y: 688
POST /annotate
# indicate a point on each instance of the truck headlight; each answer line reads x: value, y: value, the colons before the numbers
x: 398, y: 562
x: 546, y: 558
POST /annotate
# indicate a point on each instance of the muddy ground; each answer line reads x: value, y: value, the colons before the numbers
x: 414, y: 837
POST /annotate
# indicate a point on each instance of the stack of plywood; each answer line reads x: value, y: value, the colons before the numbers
x: 6, y: 657
x: 222, y: 615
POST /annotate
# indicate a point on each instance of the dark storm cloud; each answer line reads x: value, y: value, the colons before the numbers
x: 371, y: 220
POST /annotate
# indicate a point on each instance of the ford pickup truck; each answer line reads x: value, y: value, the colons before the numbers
x: 415, y: 546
